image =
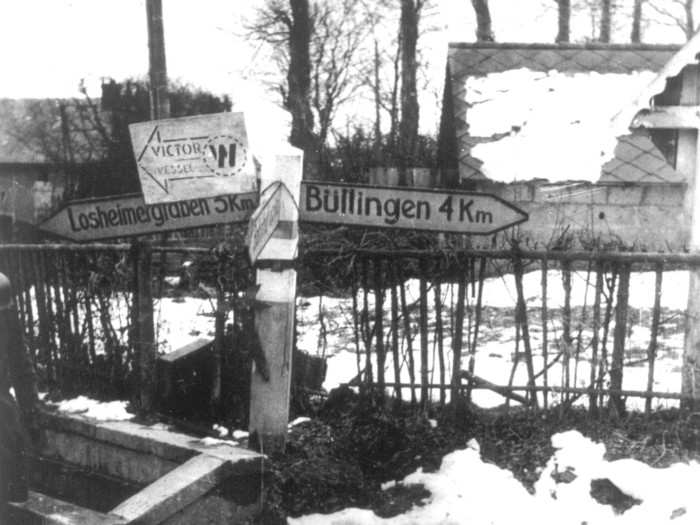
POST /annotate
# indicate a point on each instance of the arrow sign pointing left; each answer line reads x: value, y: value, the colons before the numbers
x: 110, y: 217
x: 188, y: 157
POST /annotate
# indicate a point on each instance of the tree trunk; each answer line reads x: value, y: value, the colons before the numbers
x: 484, y: 32
x: 408, y: 126
x: 689, y: 19
x: 636, y: 36
x: 299, y: 82
x: 605, y: 20
x: 564, y: 33
x: 157, y: 70
x: 377, y: 109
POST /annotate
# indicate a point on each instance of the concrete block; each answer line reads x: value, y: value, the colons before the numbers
x: 625, y: 195
x: 40, y: 508
x: 664, y: 195
x: 517, y: 192
x: 122, y: 463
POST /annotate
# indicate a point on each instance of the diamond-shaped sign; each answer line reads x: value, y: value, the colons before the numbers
x: 192, y: 157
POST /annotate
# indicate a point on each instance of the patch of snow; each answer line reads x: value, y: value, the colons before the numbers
x: 558, y: 126
x: 220, y: 429
x: 98, y: 410
x: 239, y: 434
x: 466, y: 490
x: 298, y: 421
x: 172, y: 280
x: 212, y: 442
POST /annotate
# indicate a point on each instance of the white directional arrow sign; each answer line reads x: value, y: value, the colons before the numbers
x: 190, y: 157
x: 98, y: 219
x: 431, y: 210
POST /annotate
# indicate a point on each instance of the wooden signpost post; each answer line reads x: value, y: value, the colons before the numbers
x: 273, y: 245
x: 197, y: 171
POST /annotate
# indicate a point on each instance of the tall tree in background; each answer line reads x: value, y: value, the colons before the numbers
x: 408, y: 126
x: 677, y: 13
x: 484, y: 31
x: 316, y: 46
x: 605, y: 21
x: 636, y: 35
x: 299, y: 83
x: 564, y: 21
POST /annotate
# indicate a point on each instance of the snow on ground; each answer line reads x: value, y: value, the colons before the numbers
x: 98, y: 410
x: 467, y: 490
x: 527, y: 105
x: 180, y: 322
x: 496, y: 347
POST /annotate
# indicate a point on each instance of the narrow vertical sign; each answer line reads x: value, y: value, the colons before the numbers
x: 264, y: 220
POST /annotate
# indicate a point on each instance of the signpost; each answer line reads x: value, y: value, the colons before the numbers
x: 266, y: 218
x: 273, y: 239
x: 98, y: 219
x: 188, y: 157
x: 427, y: 210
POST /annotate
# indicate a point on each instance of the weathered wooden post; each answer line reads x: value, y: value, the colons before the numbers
x: 273, y: 245
x: 143, y: 327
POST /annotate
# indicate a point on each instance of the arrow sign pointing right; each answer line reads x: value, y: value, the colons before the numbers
x: 428, y: 210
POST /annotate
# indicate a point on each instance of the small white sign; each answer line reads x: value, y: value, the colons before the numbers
x: 192, y: 157
x: 267, y: 218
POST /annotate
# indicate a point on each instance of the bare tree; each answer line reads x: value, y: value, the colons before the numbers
x: 605, y: 20
x: 326, y: 73
x: 564, y: 21
x: 299, y: 80
x: 484, y: 31
x: 636, y: 35
x: 677, y: 13
x: 408, y: 126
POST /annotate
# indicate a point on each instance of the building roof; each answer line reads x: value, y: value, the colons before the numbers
x: 482, y: 58
x: 543, y: 70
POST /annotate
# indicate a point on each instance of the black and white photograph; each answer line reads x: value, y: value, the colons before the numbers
x: 350, y: 262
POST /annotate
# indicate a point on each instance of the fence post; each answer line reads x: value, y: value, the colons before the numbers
x: 142, y: 317
x: 617, y: 404
x: 687, y: 163
x: 275, y: 311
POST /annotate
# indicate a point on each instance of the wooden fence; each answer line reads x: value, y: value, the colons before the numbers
x: 421, y: 323
x: 80, y: 304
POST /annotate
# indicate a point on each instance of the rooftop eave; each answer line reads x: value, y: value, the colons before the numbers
x: 641, y: 108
